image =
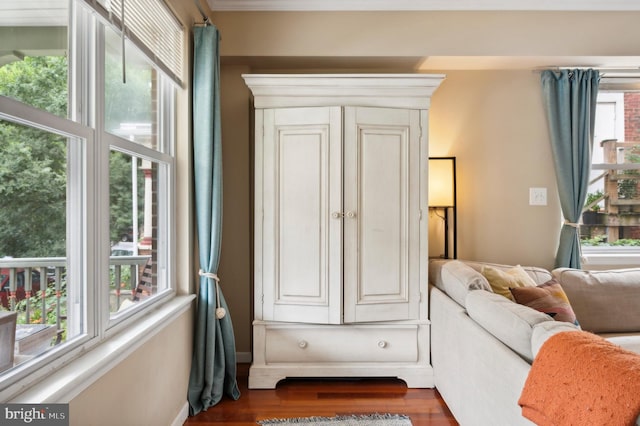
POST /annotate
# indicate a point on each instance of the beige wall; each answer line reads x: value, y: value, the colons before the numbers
x: 420, y: 34
x: 493, y: 123
x: 491, y: 120
x: 236, y: 255
x: 147, y: 388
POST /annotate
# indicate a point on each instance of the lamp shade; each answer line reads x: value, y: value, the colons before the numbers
x: 442, y: 191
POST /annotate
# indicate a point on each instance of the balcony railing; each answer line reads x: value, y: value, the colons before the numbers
x: 37, y: 287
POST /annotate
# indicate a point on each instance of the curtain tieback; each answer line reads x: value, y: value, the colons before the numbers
x: 220, y: 311
x: 577, y: 226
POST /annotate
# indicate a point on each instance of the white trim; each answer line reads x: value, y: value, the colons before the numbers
x: 619, y: 83
x: 18, y: 112
x: 618, y: 256
x: 68, y: 382
x: 432, y: 5
x: 182, y: 415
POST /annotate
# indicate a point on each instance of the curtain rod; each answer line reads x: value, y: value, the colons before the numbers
x: 604, y: 70
x: 205, y: 18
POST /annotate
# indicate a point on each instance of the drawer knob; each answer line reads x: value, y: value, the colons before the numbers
x: 382, y: 344
x: 302, y: 344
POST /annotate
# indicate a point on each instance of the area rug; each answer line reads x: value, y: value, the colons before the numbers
x: 368, y: 420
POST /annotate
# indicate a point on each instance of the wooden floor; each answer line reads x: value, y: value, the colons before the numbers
x: 326, y: 397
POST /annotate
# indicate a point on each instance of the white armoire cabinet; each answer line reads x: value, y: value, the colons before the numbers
x: 341, y: 227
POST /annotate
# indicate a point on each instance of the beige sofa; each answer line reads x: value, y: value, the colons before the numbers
x: 482, y: 344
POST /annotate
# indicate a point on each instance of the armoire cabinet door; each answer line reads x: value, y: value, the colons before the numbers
x: 302, y: 221
x: 382, y: 214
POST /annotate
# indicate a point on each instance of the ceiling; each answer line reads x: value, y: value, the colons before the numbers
x: 36, y: 13
x: 450, y: 5
x: 32, y: 28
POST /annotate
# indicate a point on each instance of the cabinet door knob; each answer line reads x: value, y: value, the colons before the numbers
x: 336, y: 215
x: 382, y: 344
x: 302, y: 344
x: 351, y: 214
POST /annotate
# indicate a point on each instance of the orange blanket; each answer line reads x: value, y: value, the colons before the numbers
x: 579, y: 379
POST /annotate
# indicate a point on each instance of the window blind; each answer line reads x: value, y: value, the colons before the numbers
x: 152, y: 27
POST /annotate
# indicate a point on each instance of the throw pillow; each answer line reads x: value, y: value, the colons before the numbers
x: 502, y: 280
x: 549, y: 298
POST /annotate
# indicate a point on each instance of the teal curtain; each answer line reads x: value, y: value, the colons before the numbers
x: 213, y: 368
x: 570, y: 103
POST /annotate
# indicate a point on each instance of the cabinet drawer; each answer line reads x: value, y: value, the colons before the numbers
x: 327, y: 344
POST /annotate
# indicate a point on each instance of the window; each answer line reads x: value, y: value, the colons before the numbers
x: 86, y: 181
x: 139, y: 172
x: 610, y: 230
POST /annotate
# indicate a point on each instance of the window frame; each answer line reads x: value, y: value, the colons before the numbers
x: 88, y: 251
x: 599, y: 257
x: 80, y: 202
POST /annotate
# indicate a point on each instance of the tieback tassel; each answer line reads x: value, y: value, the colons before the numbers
x: 220, y: 311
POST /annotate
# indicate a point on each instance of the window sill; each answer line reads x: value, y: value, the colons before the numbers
x: 70, y: 380
x: 611, y: 257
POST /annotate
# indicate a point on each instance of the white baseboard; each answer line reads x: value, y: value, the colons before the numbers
x: 182, y: 415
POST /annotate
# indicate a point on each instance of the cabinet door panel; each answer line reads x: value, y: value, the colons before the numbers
x: 381, y: 236
x: 303, y: 152
x: 300, y: 202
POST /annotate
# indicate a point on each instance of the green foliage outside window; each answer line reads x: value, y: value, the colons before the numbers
x: 33, y: 162
x: 37, y: 316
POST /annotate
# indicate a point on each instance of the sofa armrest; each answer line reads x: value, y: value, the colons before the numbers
x: 542, y: 331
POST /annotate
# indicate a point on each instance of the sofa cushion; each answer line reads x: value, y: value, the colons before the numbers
x: 508, y: 321
x: 502, y: 280
x: 603, y: 301
x: 548, y: 298
x: 457, y: 279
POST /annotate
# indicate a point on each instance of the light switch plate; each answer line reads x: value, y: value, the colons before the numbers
x: 537, y: 196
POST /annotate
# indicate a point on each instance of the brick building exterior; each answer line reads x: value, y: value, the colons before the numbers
x: 632, y: 117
